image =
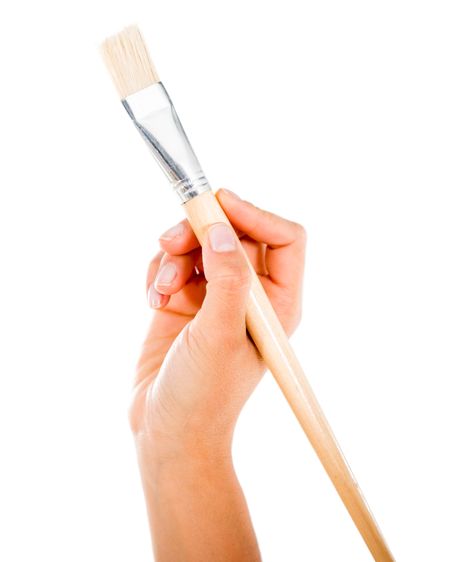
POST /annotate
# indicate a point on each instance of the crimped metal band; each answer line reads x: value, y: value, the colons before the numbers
x: 156, y: 119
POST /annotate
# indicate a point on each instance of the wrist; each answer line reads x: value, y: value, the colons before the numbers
x: 200, y: 451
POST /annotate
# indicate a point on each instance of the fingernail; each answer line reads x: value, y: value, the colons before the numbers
x: 222, y: 238
x: 154, y: 298
x: 231, y: 193
x: 166, y: 275
x: 173, y: 232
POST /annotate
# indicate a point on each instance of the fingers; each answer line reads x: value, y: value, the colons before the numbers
x: 228, y: 277
x: 167, y: 275
x: 155, y: 299
x: 225, y: 269
x: 179, y: 239
x: 285, y: 240
x: 260, y: 225
x: 276, y: 246
x: 174, y: 272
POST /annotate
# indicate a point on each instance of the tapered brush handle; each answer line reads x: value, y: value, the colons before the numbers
x: 272, y: 342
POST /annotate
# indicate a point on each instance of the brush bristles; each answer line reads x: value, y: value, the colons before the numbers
x: 128, y: 62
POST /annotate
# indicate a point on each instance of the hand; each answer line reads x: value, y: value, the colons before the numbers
x: 198, y: 365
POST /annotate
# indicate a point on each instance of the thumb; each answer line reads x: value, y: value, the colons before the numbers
x: 228, y: 283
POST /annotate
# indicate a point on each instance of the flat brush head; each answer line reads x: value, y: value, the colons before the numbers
x: 127, y: 59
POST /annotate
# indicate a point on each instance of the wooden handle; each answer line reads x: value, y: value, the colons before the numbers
x: 274, y: 346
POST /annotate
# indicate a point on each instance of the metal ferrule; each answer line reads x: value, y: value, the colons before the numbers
x: 156, y: 119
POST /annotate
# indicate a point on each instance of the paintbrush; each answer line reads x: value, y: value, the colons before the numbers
x: 151, y: 110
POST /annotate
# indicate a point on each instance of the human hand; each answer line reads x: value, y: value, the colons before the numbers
x: 198, y: 365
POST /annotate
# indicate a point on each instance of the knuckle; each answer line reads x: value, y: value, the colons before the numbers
x: 300, y: 235
x: 300, y: 232
x: 289, y: 311
x: 235, y: 278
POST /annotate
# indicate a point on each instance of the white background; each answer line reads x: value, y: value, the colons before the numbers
x: 334, y: 114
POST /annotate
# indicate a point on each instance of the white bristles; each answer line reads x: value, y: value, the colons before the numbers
x: 127, y: 59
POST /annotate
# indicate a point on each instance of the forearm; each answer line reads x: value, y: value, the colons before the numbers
x: 197, y: 511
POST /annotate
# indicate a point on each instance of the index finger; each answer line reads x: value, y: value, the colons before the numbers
x: 285, y: 239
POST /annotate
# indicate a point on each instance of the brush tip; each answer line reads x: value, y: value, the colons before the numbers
x: 128, y: 61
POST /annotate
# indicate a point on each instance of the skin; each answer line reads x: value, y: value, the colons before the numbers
x: 197, y: 369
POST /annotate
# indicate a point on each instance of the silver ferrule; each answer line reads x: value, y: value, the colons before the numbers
x: 156, y: 119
